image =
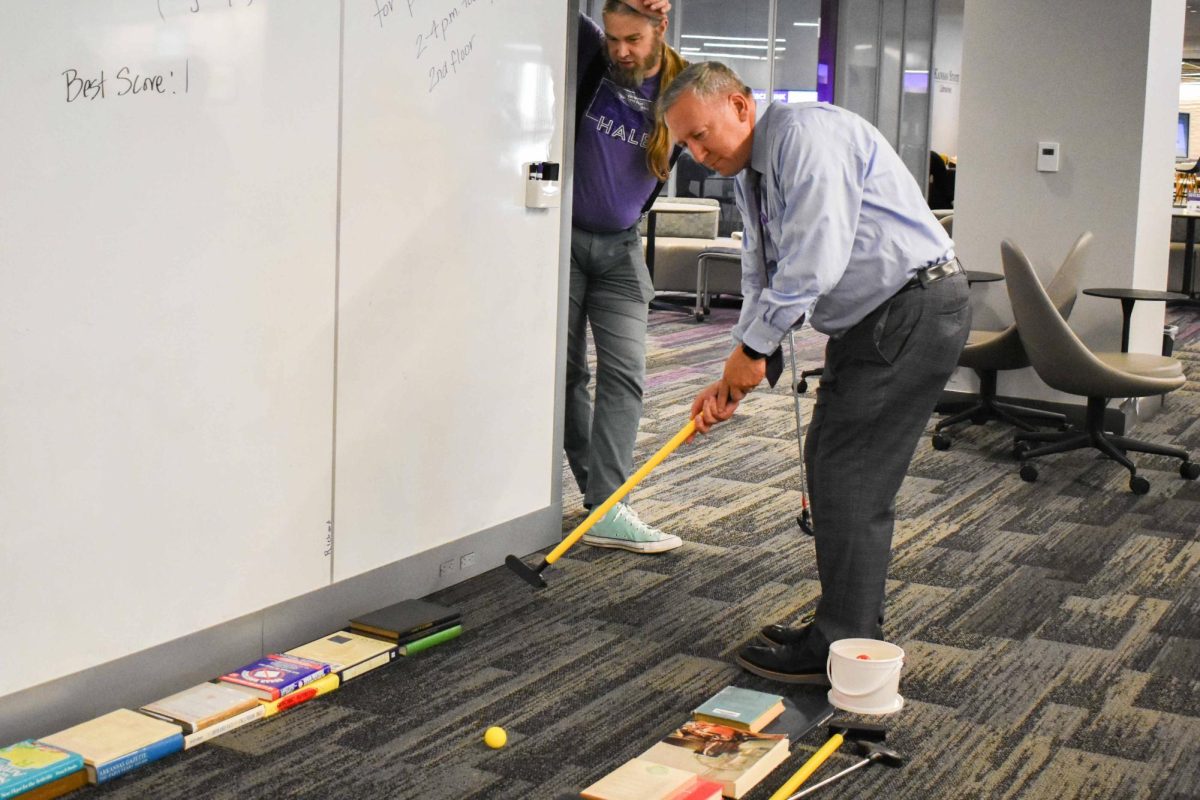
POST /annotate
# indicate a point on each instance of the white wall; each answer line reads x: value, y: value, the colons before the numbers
x: 304, y: 248
x: 947, y: 74
x: 1034, y: 72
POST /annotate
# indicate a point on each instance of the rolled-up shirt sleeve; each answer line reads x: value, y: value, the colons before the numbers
x: 815, y: 193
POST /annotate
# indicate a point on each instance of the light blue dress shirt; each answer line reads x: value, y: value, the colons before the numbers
x: 843, y: 224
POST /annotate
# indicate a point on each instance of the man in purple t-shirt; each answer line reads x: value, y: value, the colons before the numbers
x: 616, y: 148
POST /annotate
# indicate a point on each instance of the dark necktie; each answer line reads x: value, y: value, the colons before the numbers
x: 775, y: 359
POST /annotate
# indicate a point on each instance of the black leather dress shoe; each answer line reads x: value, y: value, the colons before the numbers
x: 784, y: 663
x: 782, y: 634
x: 798, y: 634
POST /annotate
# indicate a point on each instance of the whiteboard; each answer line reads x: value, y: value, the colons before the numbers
x: 167, y: 273
x: 448, y: 285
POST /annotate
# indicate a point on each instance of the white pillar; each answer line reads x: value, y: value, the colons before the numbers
x: 1102, y: 80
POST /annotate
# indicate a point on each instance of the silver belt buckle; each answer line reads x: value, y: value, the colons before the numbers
x: 938, y: 271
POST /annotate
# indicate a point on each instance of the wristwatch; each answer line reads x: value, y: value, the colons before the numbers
x: 752, y: 353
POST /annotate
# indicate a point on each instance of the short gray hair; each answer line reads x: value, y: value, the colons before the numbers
x: 704, y: 79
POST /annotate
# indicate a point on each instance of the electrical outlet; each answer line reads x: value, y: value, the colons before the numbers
x: 466, y: 561
x: 447, y: 567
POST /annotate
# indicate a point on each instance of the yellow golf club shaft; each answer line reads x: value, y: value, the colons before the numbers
x: 625, y: 488
x: 818, y: 758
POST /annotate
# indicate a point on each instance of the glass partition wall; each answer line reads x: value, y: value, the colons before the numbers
x: 870, y: 56
x: 884, y: 59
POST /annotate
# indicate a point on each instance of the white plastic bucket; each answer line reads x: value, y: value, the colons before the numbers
x: 865, y: 676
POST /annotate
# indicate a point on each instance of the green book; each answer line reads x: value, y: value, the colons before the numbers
x: 430, y: 641
x: 745, y: 709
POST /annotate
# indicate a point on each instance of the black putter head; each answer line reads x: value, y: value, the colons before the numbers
x: 880, y: 753
x: 527, y: 573
x: 857, y: 731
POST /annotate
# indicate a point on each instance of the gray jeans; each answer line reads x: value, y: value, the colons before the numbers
x: 610, y: 289
x: 879, y: 386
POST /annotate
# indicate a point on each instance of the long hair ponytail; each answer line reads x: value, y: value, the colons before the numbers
x: 658, y: 153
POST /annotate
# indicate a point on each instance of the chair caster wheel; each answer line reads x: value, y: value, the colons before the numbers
x: 1020, y: 449
x: 1138, y: 484
x: 699, y: 316
x: 802, y: 386
x: 1189, y: 471
x: 1029, y: 473
x: 941, y: 441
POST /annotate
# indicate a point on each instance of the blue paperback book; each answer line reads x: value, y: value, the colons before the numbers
x: 29, y: 764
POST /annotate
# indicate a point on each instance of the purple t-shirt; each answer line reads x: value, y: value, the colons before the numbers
x: 612, y: 181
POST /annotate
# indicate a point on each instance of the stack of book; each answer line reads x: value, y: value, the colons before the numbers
x: 273, y: 676
x: 104, y: 748
x: 413, y: 625
x: 281, y: 681
x: 722, y: 748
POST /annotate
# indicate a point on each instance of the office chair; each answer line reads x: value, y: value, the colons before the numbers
x: 941, y: 183
x: 947, y: 222
x: 1065, y: 363
x: 990, y: 352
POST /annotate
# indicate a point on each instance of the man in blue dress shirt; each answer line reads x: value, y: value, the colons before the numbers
x: 836, y: 230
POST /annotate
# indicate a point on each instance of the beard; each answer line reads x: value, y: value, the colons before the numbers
x: 634, y: 77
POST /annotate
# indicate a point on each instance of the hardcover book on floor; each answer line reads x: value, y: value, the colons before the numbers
x: 738, y: 760
x: 200, y: 706
x: 401, y: 620
x: 31, y: 766
x: 347, y: 653
x: 119, y: 742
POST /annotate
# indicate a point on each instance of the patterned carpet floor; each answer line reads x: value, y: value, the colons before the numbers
x: 1052, y: 629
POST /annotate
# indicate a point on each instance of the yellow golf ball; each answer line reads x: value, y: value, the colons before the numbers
x: 495, y: 737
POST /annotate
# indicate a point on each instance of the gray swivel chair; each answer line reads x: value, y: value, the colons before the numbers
x: 990, y: 352
x: 1065, y: 363
x: 948, y: 223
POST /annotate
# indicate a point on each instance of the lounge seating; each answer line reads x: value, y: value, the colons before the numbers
x: 1065, y: 363
x: 680, y: 239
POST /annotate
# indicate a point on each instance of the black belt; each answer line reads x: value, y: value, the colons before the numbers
x: 928, y: 275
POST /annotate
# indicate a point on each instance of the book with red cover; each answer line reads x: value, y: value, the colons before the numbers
x: 701, y: 790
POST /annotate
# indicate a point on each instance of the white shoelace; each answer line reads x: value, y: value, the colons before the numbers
x: 628, y: 514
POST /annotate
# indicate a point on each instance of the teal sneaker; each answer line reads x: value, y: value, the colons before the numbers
x: 620, y: 527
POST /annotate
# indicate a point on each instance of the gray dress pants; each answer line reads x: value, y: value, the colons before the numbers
x: 610, y: 289
x: 880, y: 383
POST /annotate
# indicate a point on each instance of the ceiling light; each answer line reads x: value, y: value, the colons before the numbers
x: 726, y: 38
